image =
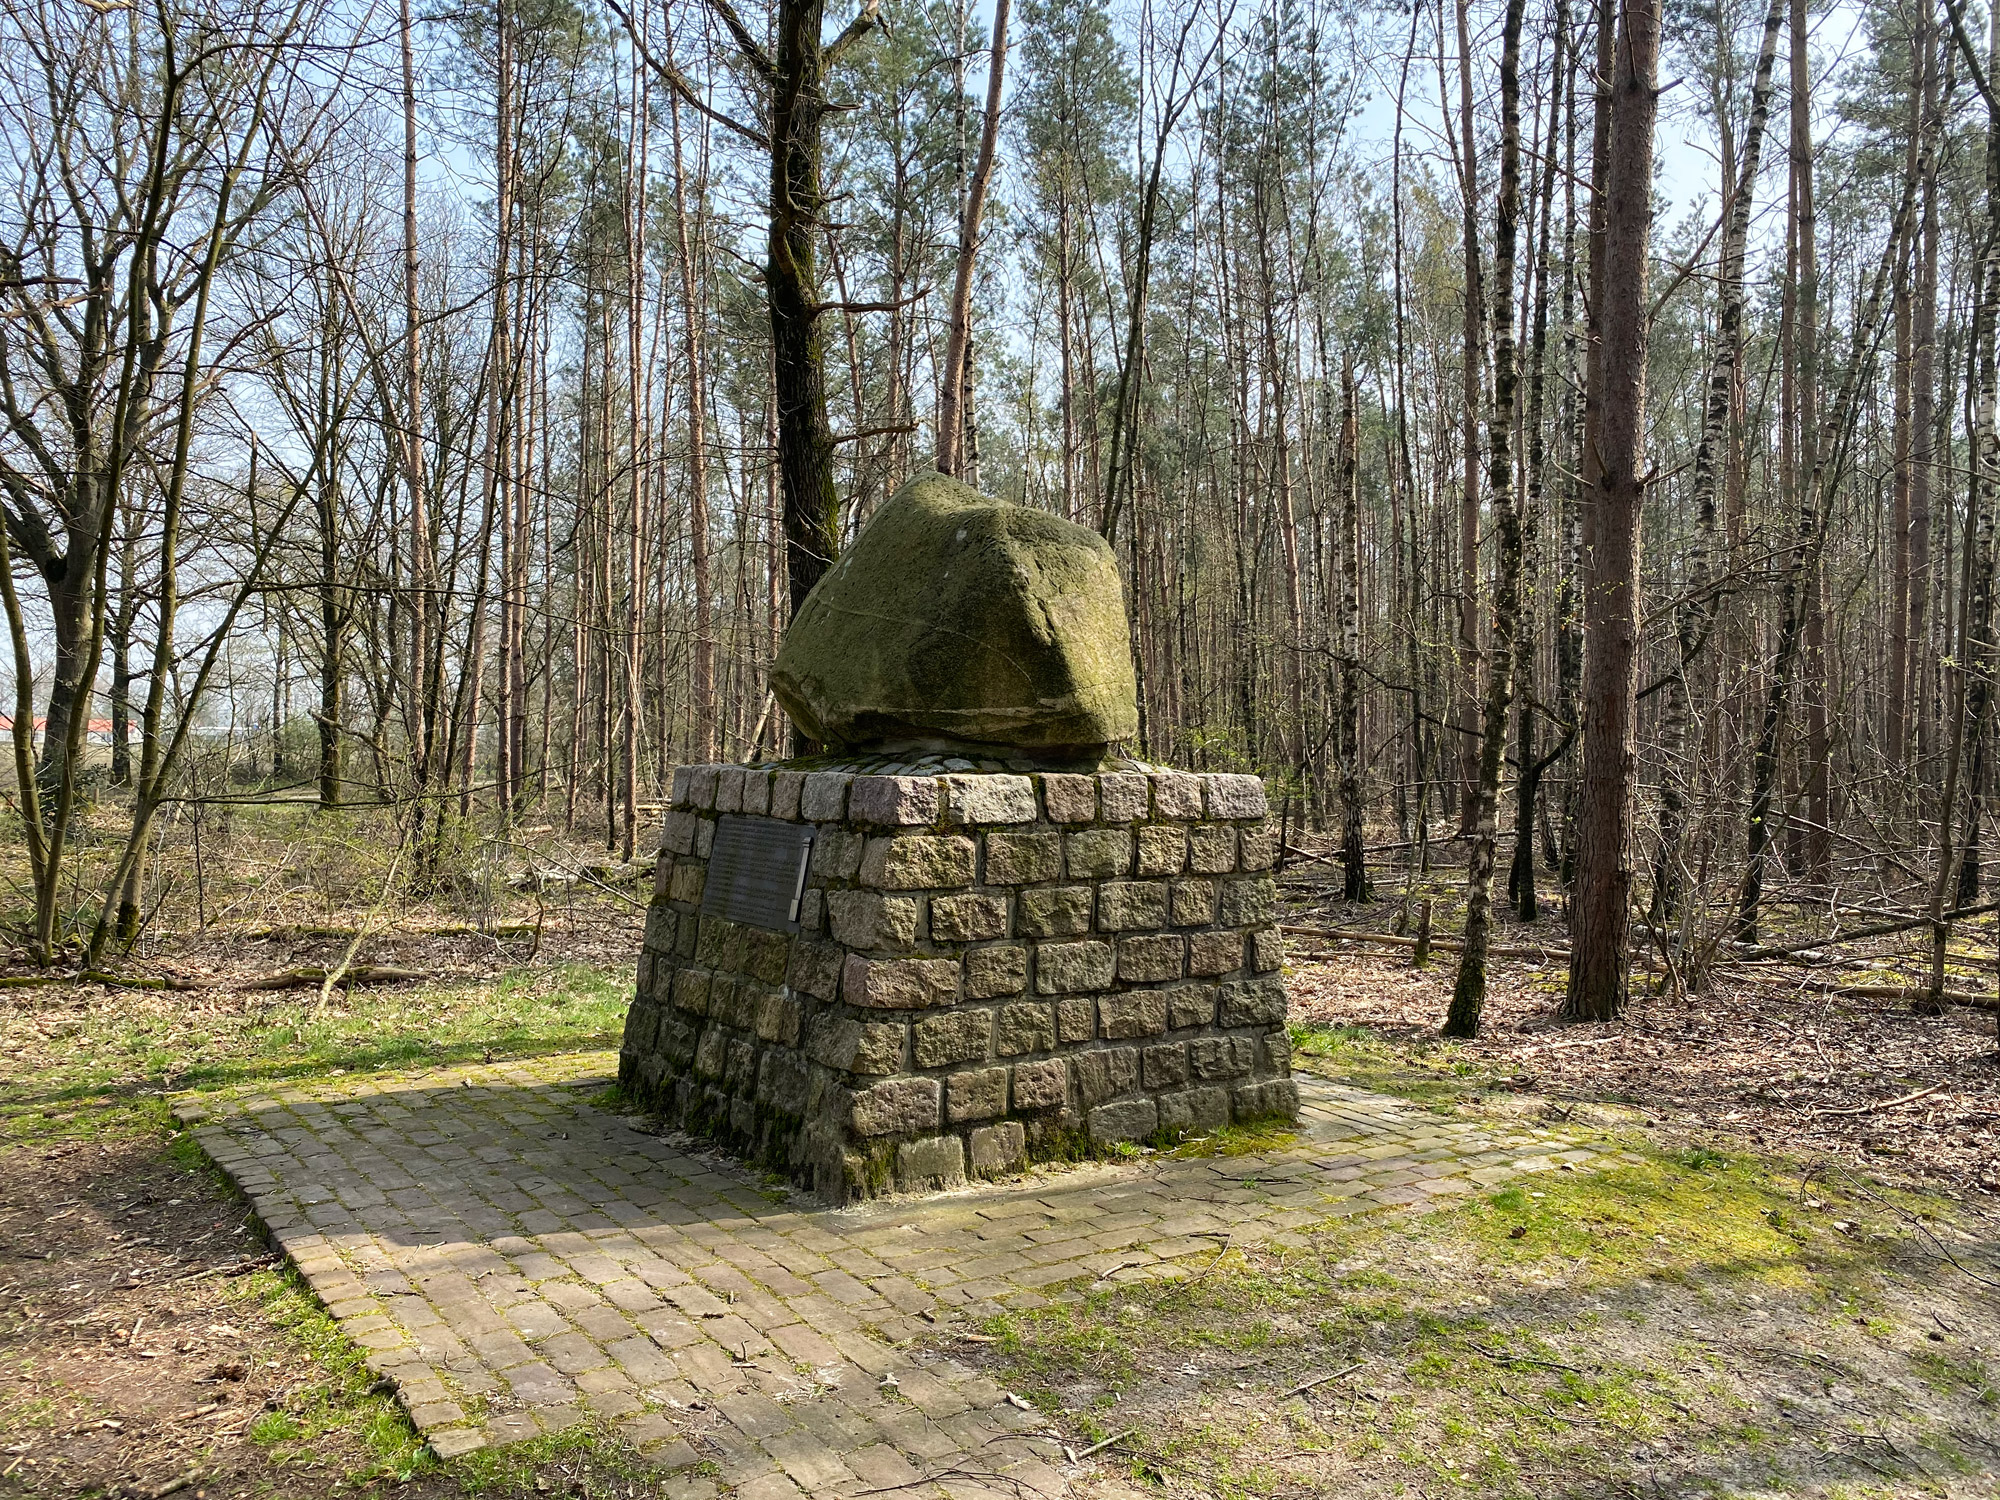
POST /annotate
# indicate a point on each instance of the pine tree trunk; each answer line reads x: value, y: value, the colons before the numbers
x: 1613, y: 464
x: 1798, y: 441
x: 791, y: 283
x: 1985, y: 496
x: 1896, y: 708
x: 1923, y: 412
x: 703, y: 654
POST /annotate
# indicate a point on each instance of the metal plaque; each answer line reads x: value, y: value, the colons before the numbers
x: 757, y: 871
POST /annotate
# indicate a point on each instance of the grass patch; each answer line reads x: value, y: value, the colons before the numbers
x: 584, y: 1461
x: 1445, y: 1392
x: 346, y: 1398
x: 1493, y: 1336
x: 1948, y: 1373
x: 87, y: 1065
x: 1429, y: 1071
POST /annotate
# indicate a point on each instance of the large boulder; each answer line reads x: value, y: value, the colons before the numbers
x: 960, y: 621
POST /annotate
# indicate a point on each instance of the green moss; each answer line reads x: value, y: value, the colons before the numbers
x: 954, y: 618
x: 1727, y: 1217
x: 1469, y: 1399
x: 1948, y: 1373
x: 1061, y: 1339
x: 1245, y: 1138
x: 1053, y: 1145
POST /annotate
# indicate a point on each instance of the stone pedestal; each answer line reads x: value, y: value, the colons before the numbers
x: 988, y: 967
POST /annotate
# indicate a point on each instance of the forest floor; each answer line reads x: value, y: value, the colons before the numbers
x: 1778, y: 1298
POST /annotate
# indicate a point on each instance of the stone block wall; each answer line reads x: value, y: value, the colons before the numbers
x: 989, y: 967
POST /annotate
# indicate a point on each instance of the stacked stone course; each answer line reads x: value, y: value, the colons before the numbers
x: 988, y: 967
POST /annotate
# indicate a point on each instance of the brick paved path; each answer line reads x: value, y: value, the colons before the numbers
x: 517, y: 1260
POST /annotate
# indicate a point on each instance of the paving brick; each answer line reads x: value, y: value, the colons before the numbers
x: 590, y: 1228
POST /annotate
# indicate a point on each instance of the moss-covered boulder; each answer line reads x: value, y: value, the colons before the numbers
x: 956, y: 620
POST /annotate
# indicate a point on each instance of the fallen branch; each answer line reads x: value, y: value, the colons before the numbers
x: 1869, y: 1109
x: 1878, y: 929
x: 360, y: 936
x: 140, y: 981
x: 1588, y: 1041
x: 284, y: 933
x: 1320, y: 1380
x: 1390, y: 940
x: 1910, y: 992
x: 599, y: 875
x: 310, y: 975
x: 1113, y: 1440
x: 1917, y: 992
x: 99, y: 976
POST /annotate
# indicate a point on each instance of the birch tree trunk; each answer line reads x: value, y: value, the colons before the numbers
x: 1697, y: 617
x: 1468, y: 996
x: 1353, y: 859
x: 954, y: 384
x: 703, y: 654
x: 1469, y: 379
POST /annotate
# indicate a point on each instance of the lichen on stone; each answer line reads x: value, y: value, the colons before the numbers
x: 957, y: 622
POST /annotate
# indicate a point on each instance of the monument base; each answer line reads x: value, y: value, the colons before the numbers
x: 875, y: 982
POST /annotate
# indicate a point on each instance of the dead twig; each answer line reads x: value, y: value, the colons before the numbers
x: 1801, y: 1355
x: 1917, y: 1224
x: 1319, y: 1380
x: 360, y: 935
x: 1588, y: 1041
x: 1501, y: 1357
x: 1110, y: 1442
x: 234, y: 1268
x: 1868, y: 1109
